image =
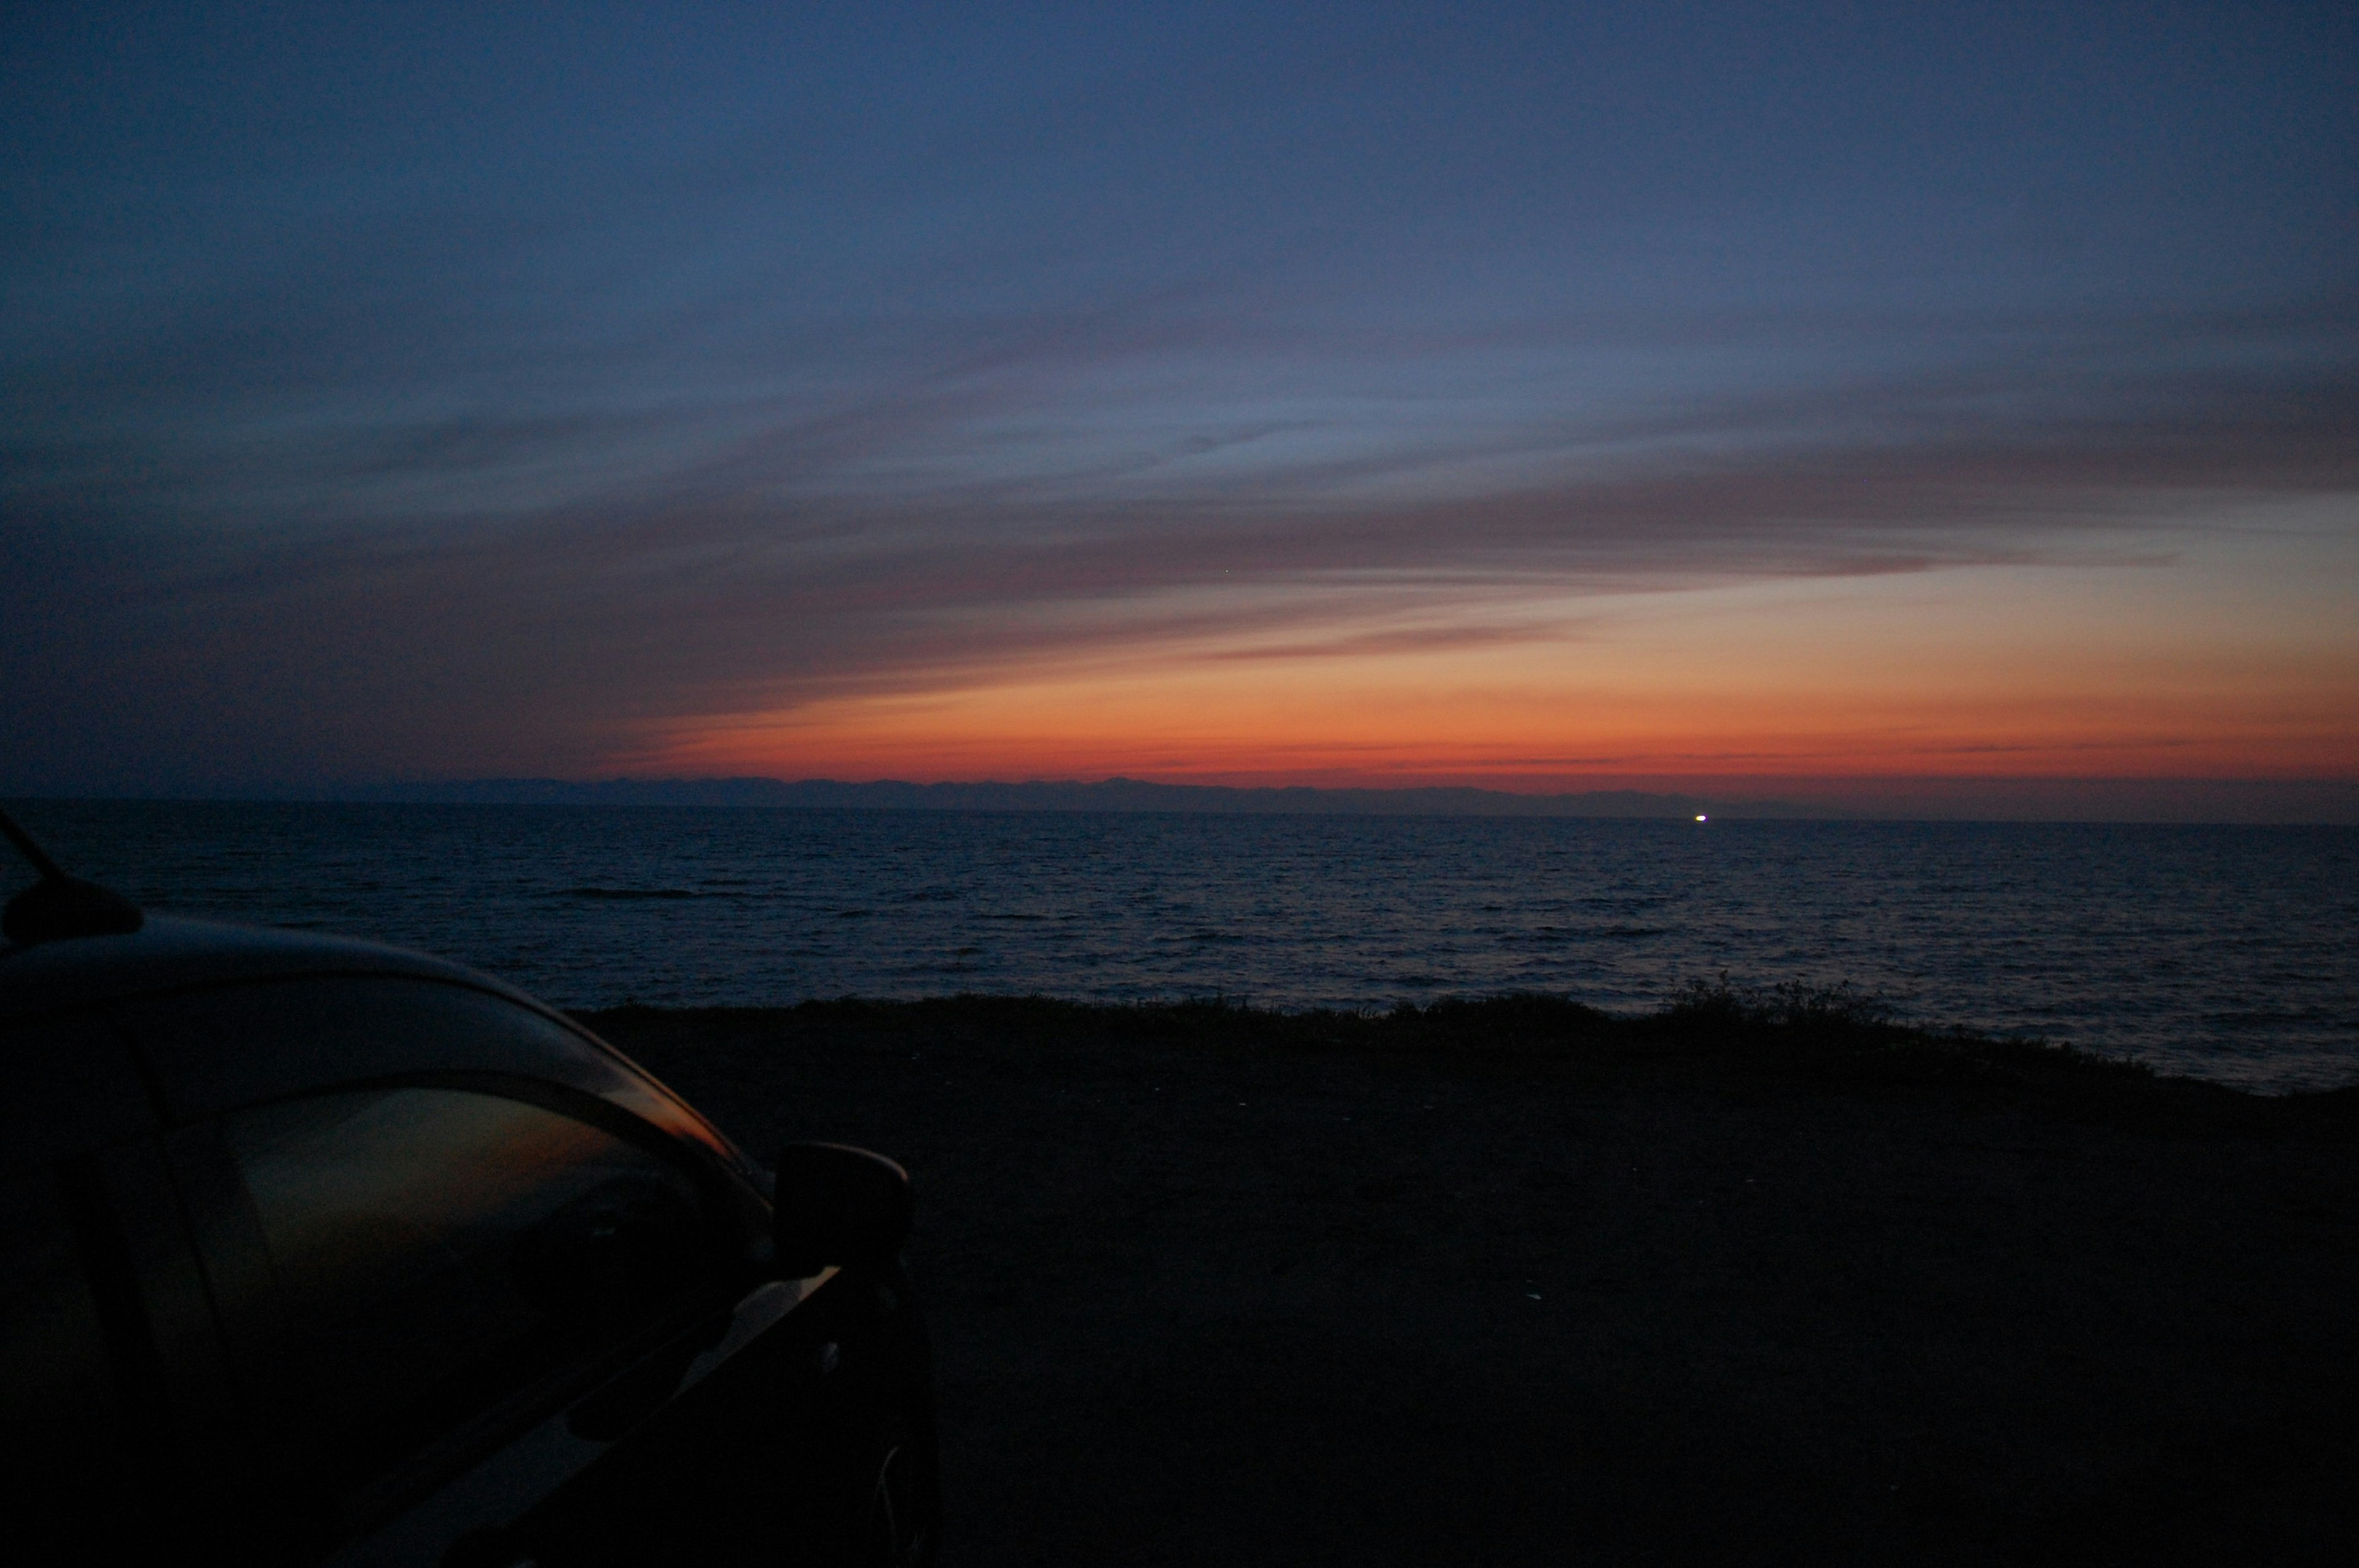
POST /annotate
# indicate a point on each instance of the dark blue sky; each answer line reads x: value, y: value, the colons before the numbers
x: 406, y: 391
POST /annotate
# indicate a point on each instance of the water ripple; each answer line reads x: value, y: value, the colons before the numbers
x: 2224, y: 952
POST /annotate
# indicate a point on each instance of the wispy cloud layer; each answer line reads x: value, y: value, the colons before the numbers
x: 431, y: 460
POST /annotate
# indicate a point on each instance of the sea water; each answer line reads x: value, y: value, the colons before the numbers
x: 2226, y: 953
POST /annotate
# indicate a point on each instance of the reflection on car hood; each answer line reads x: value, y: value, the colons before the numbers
x: 171, y: 953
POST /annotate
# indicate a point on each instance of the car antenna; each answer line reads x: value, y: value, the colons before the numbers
x: 60, y: 905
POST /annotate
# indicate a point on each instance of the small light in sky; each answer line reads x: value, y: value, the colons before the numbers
x: 1701, y: 818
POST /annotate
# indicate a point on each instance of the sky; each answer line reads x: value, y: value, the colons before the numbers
x: 1801, y: 398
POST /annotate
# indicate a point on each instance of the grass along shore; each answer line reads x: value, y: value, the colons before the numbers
x: 1751, y: 1279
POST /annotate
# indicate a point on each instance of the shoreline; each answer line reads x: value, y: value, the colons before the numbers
x: 1512, y: 1281
x: 2206, y: 952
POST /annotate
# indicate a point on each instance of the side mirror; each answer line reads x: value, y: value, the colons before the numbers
x: 837, y: 1206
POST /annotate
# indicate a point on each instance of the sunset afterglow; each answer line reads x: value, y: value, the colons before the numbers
x: 1562, y: 399
x: 2159, y: 667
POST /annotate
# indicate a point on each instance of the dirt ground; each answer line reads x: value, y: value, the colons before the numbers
x: 1211, y: 1300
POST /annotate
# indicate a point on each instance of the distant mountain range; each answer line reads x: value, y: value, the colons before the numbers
x: 1111, y: 795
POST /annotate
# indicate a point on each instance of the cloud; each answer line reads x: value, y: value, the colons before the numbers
x: 402, y: 497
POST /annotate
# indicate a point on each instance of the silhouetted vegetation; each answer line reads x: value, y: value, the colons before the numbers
x: 1835, y: 1035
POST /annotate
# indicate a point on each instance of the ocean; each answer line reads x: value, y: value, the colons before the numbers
x: 2226, y: 953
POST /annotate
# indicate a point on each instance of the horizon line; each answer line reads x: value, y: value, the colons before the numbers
x: 2191, y: 801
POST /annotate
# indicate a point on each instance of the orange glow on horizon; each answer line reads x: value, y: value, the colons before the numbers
x: 2246, y: 670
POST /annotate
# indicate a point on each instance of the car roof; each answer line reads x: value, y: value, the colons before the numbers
x: 172, y: 953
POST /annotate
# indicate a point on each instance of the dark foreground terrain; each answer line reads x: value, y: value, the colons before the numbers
x: 1512, y: 1282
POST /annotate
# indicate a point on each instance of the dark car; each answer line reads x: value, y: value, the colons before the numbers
x: 320, y: 1251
